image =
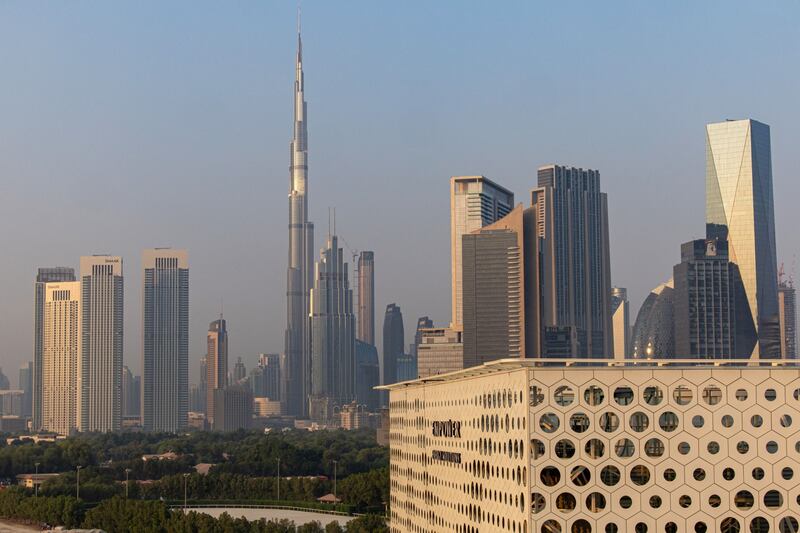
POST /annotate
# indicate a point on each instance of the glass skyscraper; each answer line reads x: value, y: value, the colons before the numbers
x: 739, y: 208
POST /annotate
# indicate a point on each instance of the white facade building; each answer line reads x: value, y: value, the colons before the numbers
x: 529, y: 446
x: 61, y: 336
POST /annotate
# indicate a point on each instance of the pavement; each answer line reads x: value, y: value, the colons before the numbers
x: 298, y: 517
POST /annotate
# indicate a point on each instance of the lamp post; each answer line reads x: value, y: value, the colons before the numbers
x: 127, y: 472
x: 334, y: 481
x: 278, y: 479
x: 185, y: 480
x: 78, y: 483
x: 36, y: 481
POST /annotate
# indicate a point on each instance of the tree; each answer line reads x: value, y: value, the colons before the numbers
x: 367, y: 524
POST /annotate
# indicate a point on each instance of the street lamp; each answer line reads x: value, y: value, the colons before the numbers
x: 127, y: 472
x: 278, y: 479
x: 36, y: 481
x: 185, y: 480
x: 334, y: 480
x: 78, y: 483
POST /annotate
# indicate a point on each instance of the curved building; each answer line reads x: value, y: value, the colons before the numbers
x: 654, y: 331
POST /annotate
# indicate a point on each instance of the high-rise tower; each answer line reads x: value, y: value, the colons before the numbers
x: 366, y: 297
x: 217, y: 361
x: 301, y: 252
x: 61, y: 351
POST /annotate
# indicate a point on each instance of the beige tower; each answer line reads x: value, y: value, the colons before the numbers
x: 60, y: 354
x: 216, y: 365
x: 475, y: 202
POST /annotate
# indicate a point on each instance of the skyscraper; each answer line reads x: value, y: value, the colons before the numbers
x: 572, y: 224
x: 216, y: 363
x: 423, y: 323
x: 100, y: 369
x: 26, y: 385
x: 366, y: 297
x: 740, y: 208
x: 233, y: 408
x: 202, y: 387
x: 131, y: 393
x: 239, y: 370
x: 653, y: 334
x: 705, y: 301
x: 265, y: 378
x: 475, y: 202
x: 333, y: 358
x: 788, y: 319
x: 61, y: 352
x: 165, y: 344
x: 368, y: 375
x: 43, y: 276
x: 299, y: 275
x: 620, y: 312
x: 393, y: 344
x: 441, y: 350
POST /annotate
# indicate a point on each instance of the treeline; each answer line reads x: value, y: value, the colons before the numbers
x: 120, y: 515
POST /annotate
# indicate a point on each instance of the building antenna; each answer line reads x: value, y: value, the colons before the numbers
x: 221, y: 307
x: 329, y: 222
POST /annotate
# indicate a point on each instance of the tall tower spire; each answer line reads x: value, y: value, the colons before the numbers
x: 301, y: 246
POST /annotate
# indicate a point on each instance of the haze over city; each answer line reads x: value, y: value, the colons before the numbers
x: 129, y: 126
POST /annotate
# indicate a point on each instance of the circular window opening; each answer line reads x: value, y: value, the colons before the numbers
x: 668, y: 421
x: 564, y: 396
x: 742, y: 447
x: 609, y: 422
x: 537, y: 448
x: 624, y: 448
x: 612, y: 528
x: 654, y: 448
x: 537, y: 502
x: 655, y: 501
x: 756, y: 421
x: 699, y: 474
x: 639, y: 422
x: 788, y: 525
x: 685, y: 501
x: 594, y: 395
x: 579, y: 422
x: 595, y: 448
x: 743, y: 499
x: 581, y: 526
x: 551, y: 526
x: 671, y: 527
x: 684, y: 448
x: 698, y: 421
x: 772, y: 447
x: 682, y: 395
x: 759, y: 525
x: 640, y: 475
x: 623, y: 395
x: 700, y: 527
x: 670, y: 474
x: 727, y: 421
x: 549, y: 422
x: 728, y: 474
x: 770, y: 395
x: 641, y: 527
x: 796, y: 394
x: 786, y: 421
x: 565, y: 502
x: 758, y: 473
x: 741, y: 394
x: 787, y: 473
x: 625, y: 502
x: 712, y: 395
x: 595, y: 502
x: 714, y: 500
x: 773, y: 499
x: 580, y: 475
x: 610, y: 475
x: 730, y: 525
x: 564, y: 449
x: 536, y: 395
x: 653, y: 395
x: 713, y: 447
x: 550, y: 476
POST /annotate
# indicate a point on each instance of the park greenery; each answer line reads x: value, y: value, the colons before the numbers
x: 244, y: 471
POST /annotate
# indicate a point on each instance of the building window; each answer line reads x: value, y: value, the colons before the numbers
x: 640, y: 475
x: 741, y: 394
x: 550, y: 476
x: 594, y: 395
x: 682, y: 395
x: 549, y: 422
x: 609, y: 422
x: 624, y: 448
x: 639, y: 422
x: 564, y: 396
x: 712, y: 395
x: 564, y: 449
x: 595, y: 448
x: 770, y: 395
x: 623, y: 395
x: 653, y: 395
x: 580, y: 475
x: 668, y: 421
x: 595, y: 502
x: 579, y: 422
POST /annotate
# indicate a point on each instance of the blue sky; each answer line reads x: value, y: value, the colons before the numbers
x: 126, y: 125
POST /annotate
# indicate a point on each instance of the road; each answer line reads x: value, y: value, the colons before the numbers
x: 298, y: 517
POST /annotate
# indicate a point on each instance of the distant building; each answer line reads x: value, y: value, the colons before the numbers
x: 406, y: 367
x: 100, y: 365
x: 202, y: 387
x: 572, y: 226
x: 654, y: 331
x: 353, y: 416
x: 423, y: 322
x: 239, y: 371
x: 368, y: 375
x: 43, y: 276
x: 265, y: 378
x: 740, y: 208
x: 26, y: 385
x: 441, y: 350
x: 197, y: 401
x: 5, y: 384
x: 11, y: 401
x: 233, y: 408
x: 393, y: 344
x: 620, y: 320
x: 131, y: 393
x: 366, y: 297
x: 265, y: 407
x: 61, y: 334
x: 165, y: 328
x: 217, y: 365
x: 788, y: 318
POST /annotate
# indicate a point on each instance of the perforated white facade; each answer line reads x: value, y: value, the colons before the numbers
x: 511, y: 446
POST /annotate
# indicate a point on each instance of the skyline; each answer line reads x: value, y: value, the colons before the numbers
x: 418, y: 289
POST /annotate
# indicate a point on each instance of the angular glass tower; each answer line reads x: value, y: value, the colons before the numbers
x: 739, y: 208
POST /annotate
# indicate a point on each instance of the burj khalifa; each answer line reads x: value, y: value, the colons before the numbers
x: 299, y: 274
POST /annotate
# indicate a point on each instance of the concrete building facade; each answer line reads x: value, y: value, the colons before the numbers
x: 620, y: 322
x: 526, y: 446
x: 787, y: 310
x: 366, y: 297
x: 441, y: 350
x: 216, y: 365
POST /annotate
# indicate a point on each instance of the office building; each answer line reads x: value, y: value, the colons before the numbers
x: 517, y: 446
x: 787, y: 312
x: 165, y: 327
x: 61, y: 352
x: 26, y: 386
x: 202, y: 387
x: 368, y: 375
x: 423, y: 323
x: 475, y: 202
x: 265, y: 378
x: 705, y: 303
x: 131, y: 393
x: 572, y: 225
x: 366, y: 297
x: 5, y: 384
x: 406, y: 367
x: 620, y: 322
x: 43, y: 276
x: 653, y: 334
x: 740, y: 208
x: 239, y: 371
x: 233, y: 408
x: 100, y: 368
x: 333, y: 325
x: 300, y: 271
x: 393, y: 345
x: 216, y: 364
x: 197, y: 400
x: 441, y: 350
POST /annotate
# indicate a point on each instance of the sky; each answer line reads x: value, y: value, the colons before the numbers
x: 130, y: 125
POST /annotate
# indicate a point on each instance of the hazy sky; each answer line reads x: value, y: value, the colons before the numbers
x: 128, y: 125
